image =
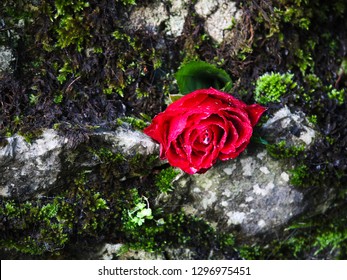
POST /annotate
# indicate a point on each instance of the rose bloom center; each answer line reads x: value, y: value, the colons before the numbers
x: 206, y: 137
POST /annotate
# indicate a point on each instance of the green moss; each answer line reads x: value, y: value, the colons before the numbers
x: 50, y: 232
x: 127, y: 2
x: 177, y: 229
x: 71, y: 29
x: 299, y: 174
x: 113, y: 163
x: 251, y: 252
x: 332, y: 239
x: 314, y: 85
x: 78, y: 56
x: 107, y: 156
x: 47, y: 224
x: 30, y: 136
x: 281, y: 151
x: 316, y: 239
x: 270, y: 87
x: 304, y: 57
x: 338, y: 95
x: 163, y: 180
x: 312, y: 119
x: 305, y: 240
x: 136, y: 123
x: 296, y: 14
x: 58, y: 98
x: 66, y: 72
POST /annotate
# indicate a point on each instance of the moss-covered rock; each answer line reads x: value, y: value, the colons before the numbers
x: 85, y: 67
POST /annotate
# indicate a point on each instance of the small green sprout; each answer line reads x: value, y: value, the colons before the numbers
x: 338, y: 95
x: 140, y: 213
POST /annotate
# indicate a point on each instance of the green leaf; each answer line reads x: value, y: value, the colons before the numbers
x: 175, y: 97
x: 199, y: 74
x: 145, y: 213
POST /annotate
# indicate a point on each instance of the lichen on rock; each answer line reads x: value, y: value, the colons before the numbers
x: 36, y: 168
x: 79, y: 66
x: 219, y: 16
x: 28, y: 168
x: 168, y: 15
x: 6, y: 58
x: 249, y: 193
x: 285, y: 122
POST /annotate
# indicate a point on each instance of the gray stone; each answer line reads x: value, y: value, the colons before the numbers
x: 32, y: 169
x: 6, y: 58
x: 114, y: 251
x: 149, y: 17
x: 294, y: 128
x: 178, y: 14
x: 219, y: 17
x: 171, y: 14
x: 251, y: 193
x: 129, y: 142
x: 140, y: 255
x: 108, y: 251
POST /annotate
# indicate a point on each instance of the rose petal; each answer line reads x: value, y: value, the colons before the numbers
x: 176, y: 157
x: 244, y: 130
x: 214, y: 121
x: 192, y: 100
x: 254, y: 112
x: 235, y: 154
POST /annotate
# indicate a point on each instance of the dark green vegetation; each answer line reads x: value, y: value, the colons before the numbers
x: 199, y: 74
x: 98, y: 207
x: 77, y: 66
x: 76, y: 63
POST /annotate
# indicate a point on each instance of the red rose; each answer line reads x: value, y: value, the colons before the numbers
x: 203, y: 126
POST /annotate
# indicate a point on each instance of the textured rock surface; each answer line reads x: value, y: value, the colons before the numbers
x: 219, y: 16
x: 6, y: 57
x: 157, y: 15
x: 28, y: 169
x: 128, y: 142
x: 149, y: 17
x: 112, y: 251
x: 291, y: 127
x: 178, y: 13
x: 251, y: 193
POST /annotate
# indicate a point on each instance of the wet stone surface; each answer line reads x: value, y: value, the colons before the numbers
x: 6, y: 58
x: 251, y: 193
x: 219, y: 17
x: 30, y: 169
